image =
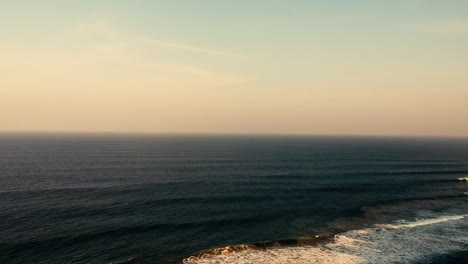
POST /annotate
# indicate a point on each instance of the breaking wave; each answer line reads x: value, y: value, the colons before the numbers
x: 405, y: 242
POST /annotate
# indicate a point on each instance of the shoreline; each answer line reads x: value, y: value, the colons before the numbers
x: 383, y: 243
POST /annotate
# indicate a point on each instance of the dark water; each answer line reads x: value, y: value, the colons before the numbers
x: 158, y: 199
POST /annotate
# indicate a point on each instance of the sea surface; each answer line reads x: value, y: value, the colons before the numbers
x: 71, y: 198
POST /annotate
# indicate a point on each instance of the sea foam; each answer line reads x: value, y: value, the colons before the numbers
x: 407, y: 242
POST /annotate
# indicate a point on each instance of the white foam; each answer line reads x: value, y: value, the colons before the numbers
x: 297, y: 255
x: 402, y: 243
x: 433, y: 221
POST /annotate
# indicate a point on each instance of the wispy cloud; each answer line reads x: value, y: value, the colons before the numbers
x: 100, y: 46
x: 191, y: 48
x: 453, y: 27
x: 101, y: 39
x: 104, y: 29
x: 447, y: 27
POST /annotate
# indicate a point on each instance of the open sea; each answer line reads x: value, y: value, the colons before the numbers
x: 70, y: 198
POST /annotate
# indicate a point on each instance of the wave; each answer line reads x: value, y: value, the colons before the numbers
x: 432, y: 221
x: 288, y: 176
x: 414, y: 241
x: 415, y: 199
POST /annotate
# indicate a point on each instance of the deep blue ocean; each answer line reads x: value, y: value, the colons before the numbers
x: 161, y: 198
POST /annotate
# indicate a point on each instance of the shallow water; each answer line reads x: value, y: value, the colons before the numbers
x: 159, y: 199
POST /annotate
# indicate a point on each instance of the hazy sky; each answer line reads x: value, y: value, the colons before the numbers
x: 318, y: 67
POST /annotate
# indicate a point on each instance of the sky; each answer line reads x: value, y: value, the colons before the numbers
x: 247, y: 66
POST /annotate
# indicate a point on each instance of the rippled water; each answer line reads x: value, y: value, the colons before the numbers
x: 160, y: 199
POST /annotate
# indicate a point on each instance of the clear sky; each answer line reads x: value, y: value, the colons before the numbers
x: 246, y: 66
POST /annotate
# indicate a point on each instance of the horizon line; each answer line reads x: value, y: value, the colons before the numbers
x: 174, y: 133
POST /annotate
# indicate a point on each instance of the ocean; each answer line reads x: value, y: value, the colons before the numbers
x: 84, y: 198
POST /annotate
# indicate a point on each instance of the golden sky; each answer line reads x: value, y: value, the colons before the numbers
x: 305, y: 67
